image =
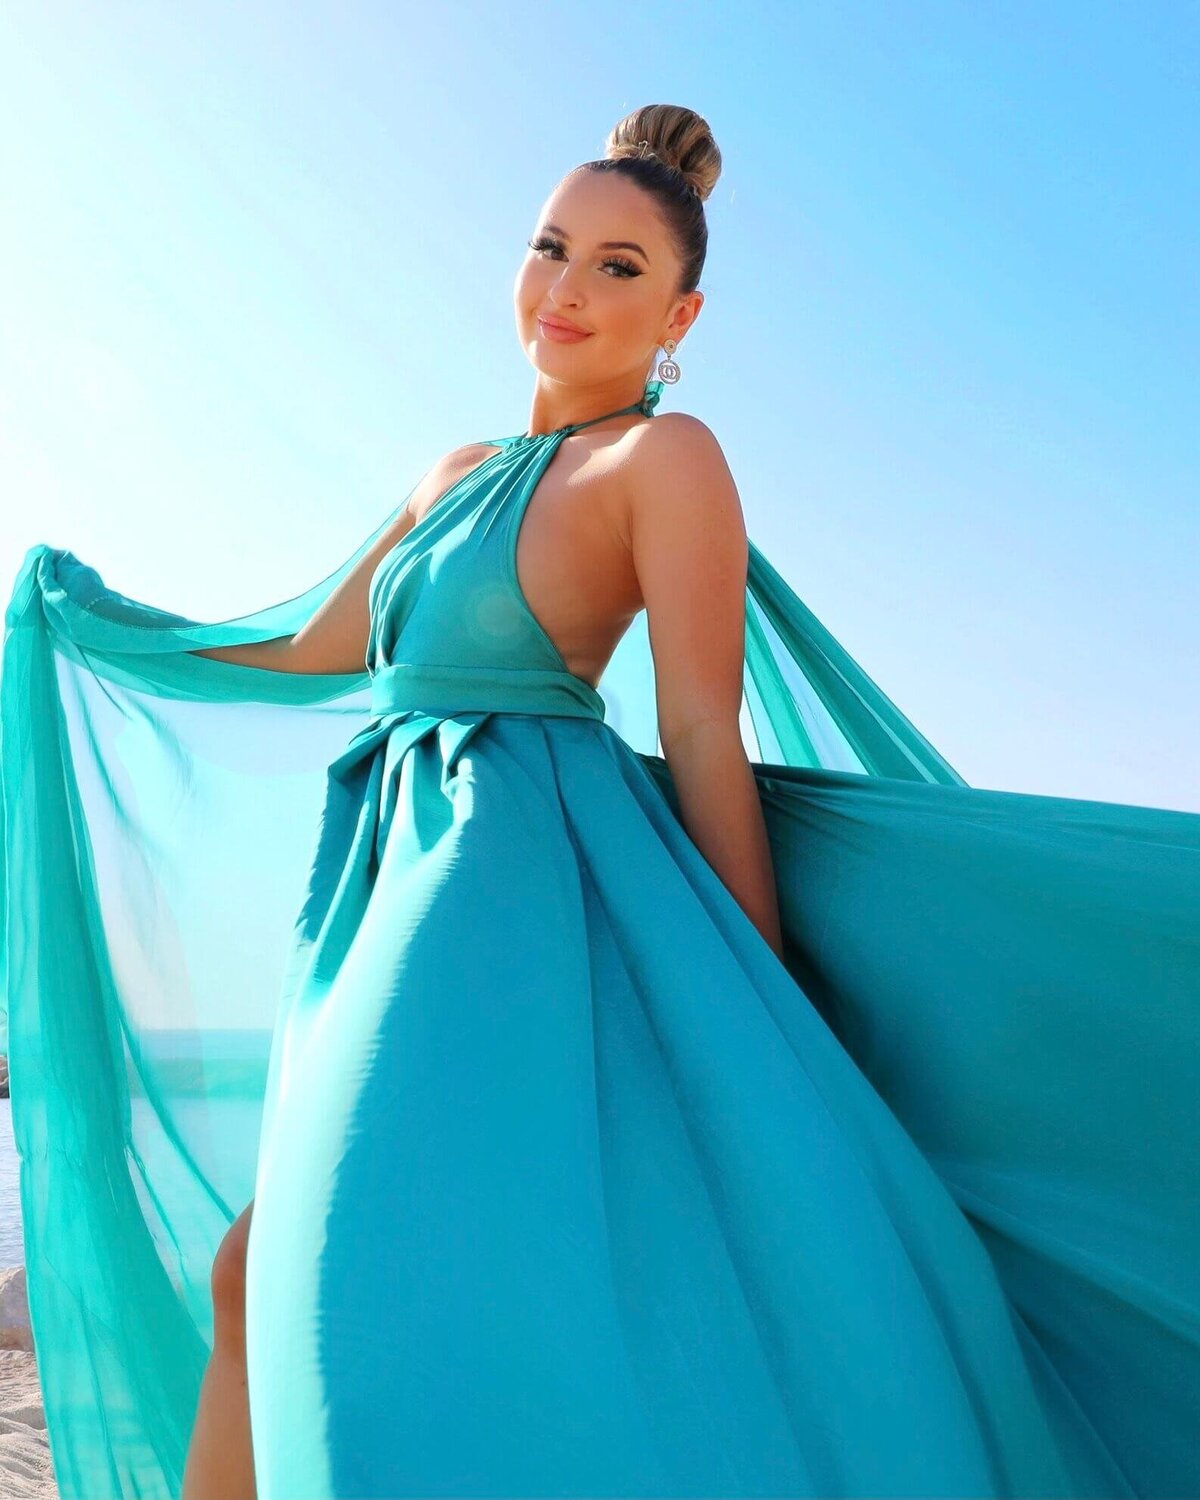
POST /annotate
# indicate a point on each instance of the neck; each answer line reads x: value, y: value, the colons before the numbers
x: 554, y: 408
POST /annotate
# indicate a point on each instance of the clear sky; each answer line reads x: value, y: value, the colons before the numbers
x: 257, y: 266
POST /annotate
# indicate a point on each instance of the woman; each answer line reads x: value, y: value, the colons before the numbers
x: 605, y: 546
x: 696, y: 1127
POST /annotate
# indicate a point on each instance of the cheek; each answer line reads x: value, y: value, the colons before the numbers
x: 629, y: 318
x: 527, y: 289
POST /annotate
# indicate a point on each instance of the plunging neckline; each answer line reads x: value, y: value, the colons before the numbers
x: 505, y: 446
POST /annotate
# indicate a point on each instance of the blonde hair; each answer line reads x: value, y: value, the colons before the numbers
x: 669, y: 151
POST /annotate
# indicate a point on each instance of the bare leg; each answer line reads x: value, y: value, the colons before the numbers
x: 220, y: 1462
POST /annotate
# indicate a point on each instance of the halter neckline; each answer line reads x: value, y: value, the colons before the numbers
x: 646, y: 406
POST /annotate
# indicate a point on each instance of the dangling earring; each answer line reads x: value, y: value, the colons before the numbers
x: 668, y: 370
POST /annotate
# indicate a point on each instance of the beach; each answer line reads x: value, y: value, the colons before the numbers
x: 25, y: 1465
x: 26, y: 1472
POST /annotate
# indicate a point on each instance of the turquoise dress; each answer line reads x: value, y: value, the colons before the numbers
x: 565, y: 1184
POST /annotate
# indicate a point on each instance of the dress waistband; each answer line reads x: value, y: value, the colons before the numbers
x: 404, y: 686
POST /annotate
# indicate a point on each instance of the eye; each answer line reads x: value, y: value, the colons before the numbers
x: 625, y: 267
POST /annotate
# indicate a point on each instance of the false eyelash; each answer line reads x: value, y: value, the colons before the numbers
x: 546, y: 243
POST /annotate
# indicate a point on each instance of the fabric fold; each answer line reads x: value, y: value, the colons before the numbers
x: 949, y: 1142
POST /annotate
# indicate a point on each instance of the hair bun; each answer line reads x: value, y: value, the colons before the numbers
x: 677, y: 136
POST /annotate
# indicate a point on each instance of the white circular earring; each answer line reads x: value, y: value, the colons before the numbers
x: 668, y: 370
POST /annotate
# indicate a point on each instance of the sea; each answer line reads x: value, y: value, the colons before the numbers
x: 12, y: 1245
x: 215, y: 1080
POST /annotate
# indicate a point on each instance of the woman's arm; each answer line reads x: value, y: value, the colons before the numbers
x: 274, y: 655
x: 335, y: 639
x: 691, y: 552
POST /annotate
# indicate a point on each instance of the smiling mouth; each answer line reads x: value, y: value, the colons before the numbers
x: 562, y: 330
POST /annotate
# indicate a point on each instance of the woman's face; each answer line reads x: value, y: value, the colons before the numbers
x: 621, y: 295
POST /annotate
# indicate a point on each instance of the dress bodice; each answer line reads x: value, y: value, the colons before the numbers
x: 450, y: 628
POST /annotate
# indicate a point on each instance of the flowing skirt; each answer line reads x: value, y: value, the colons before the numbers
x: 570, y: 1188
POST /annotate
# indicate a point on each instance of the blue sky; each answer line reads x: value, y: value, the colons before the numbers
x: 257, y: 272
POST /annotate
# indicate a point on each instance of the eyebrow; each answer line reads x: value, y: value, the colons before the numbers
x: 604, y: 244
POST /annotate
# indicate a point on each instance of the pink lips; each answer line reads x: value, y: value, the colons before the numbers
x: 560, y: 334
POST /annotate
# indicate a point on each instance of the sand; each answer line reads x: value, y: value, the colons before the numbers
x: 26, y: 1472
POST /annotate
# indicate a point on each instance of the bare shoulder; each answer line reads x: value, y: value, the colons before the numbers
x: 674, y: 430
x: 677, y: 474
x: 450, y: 468
x: 467, y: 456
x: 446, y: 472
x: 675, y: 443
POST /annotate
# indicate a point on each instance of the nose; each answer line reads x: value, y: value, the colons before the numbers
x: 563, y: 291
